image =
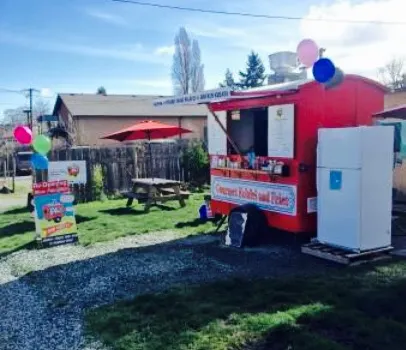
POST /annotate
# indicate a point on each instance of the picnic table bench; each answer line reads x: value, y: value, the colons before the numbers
x: 154, y: 191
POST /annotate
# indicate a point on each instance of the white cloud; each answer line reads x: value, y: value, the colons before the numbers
x: 153, y: 83
x: 165, y: 50
x: 128, y: 52
x: 358, y: 47
x: 45, y: 92
x: 208, y: 30
x: 262, y: 36
x: 107, y: 17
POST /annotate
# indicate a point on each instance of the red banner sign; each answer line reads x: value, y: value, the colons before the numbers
x: 50, y: 187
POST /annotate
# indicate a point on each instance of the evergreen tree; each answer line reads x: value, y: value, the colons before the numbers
x: 254, y: 75
x: 229, y: 80
x: 101, y: 91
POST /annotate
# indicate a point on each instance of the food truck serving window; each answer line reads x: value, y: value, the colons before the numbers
x: 269, y: 131
x: 249, y: 129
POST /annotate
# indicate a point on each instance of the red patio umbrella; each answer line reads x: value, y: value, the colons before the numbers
x: 147, y: 130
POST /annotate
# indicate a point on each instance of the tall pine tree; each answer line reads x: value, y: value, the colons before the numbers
x: 229, y: 80
x: 254, y: 75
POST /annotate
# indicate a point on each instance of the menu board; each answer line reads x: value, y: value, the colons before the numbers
x: 281, y: 131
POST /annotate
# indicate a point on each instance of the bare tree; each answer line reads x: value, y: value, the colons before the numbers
x: 187, y: 69
x: 197, y: 68
x: 15, y: 116
x: 393, y: 74
x: 41, y: 107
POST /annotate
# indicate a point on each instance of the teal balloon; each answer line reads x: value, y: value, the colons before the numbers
x: 336, y: 80
x: 39, y: 162
x: 42, y: 144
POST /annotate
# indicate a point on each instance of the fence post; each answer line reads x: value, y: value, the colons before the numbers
x: 135, y: 154
x: 14, y: 174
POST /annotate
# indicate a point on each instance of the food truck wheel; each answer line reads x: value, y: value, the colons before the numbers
x: 255, y: 227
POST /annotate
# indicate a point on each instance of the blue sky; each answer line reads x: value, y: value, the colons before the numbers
x: 78, y: 45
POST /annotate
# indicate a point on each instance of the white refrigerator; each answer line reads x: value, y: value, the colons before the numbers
x: 354, y: 185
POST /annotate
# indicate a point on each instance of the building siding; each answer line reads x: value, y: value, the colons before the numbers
x: 395, y: 99
x: 87, y: 130
x: 91, y: 129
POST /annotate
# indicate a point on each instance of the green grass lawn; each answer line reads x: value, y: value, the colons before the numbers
x: 105, y: 221
x: 22, y: 187
x: 354, y: 309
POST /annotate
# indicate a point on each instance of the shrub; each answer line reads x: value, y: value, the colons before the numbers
x: 97, y: 183
x: 196, y: 162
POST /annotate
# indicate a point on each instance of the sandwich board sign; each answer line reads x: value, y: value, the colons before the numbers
x: 55, y: 221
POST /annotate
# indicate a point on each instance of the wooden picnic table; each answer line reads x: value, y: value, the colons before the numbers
x: 154, y: 191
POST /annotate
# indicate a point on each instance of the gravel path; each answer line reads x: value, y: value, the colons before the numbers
x: 44, y: 293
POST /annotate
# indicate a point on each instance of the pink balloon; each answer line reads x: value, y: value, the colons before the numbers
x: 307, y: 52
x: 23, y: 134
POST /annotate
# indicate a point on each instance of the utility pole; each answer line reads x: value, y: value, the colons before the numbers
x: 29, y: 112
x: 30, y: 90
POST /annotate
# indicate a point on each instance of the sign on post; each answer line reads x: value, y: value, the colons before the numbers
x: 55, y: 221
x: 74, y: 171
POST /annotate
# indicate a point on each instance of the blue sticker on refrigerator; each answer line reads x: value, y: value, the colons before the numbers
x: 336, y: 179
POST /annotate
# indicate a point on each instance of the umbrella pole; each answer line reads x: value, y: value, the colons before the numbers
x: 150, y: 155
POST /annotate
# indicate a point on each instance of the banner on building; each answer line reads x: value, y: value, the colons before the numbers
x: 74, y: 171
x: 55, y: 221
x: 196, y: 98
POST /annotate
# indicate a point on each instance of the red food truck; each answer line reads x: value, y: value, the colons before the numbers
x: 262, y: 143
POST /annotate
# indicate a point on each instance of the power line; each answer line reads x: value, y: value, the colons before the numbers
x: 11, y: 91
x: 255, y: 15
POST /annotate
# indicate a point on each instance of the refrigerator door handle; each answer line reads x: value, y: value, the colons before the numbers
x: 317, y: 166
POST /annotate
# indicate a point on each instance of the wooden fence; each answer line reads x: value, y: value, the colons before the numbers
x: 121, y: 164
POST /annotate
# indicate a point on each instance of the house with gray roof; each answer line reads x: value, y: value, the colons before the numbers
x: 87, y: 117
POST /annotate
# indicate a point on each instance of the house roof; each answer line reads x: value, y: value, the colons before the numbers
x: 239, y: 97
x: 398, y: 112
x: 123, y: 105
x: 297, y: 84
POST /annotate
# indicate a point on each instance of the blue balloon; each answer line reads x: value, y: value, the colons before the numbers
x: 39, y: 162
x: 323, y: 70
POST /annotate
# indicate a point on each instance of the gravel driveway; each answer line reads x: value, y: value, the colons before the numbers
x: 44, y: 293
